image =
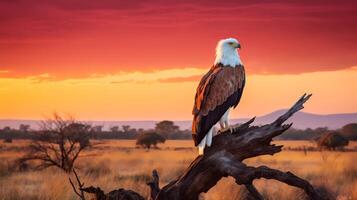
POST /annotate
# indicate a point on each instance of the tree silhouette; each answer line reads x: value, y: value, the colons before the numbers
x: 59, y: 143
x: 350, y: 131
x: 114, y: 129
x: 97, y: 129
x: 332, y: 140
x: 126, y: 128
x: 24, y: 127
x: 149, y: 139
x: 166, y: 128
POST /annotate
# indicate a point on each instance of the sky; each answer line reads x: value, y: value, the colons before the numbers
x: 142, y: 60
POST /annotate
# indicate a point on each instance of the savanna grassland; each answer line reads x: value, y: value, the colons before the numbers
x: 113, y: 164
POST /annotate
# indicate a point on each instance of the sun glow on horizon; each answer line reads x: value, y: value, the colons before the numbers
x: 169, y: 94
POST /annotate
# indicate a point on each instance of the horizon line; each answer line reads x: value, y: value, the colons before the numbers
x: 153, y: 120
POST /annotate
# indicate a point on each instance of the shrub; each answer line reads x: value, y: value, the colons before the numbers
x: 332, y: 140
x: 146, y: 140
x: 350, y: 131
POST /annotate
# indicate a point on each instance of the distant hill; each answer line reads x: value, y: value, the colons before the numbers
x: 301, y: 120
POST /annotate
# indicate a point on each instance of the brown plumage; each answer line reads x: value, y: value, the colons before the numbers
x: 218, y: 90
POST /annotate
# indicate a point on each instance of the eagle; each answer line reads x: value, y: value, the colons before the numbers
x: 219, y: 90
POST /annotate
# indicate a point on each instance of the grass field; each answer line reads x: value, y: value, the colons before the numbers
x: 114, y: 164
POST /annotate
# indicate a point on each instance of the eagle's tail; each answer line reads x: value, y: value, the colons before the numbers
x: 207, y: 140
x: 201, y: 146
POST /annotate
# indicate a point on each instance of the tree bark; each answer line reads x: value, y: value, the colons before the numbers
x: 225, y: 158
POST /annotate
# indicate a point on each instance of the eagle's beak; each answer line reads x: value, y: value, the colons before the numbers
x: 238, y: 46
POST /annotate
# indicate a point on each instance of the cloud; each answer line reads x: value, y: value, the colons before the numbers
x: 67, y: 18
x: 41, y: 78
x: 164, y: 76
x: 181, y: 79
x: 120, y: 82
x: 137, y: 77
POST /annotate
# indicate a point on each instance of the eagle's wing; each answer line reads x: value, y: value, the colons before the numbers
x: 220, y: 89
x: 203, y: 86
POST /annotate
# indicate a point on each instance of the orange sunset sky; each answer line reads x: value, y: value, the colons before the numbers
x: 142, y: 60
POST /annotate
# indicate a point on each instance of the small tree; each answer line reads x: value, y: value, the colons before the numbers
x: 146, y: 140
x: 24, y: 127
x: 6, y: 129
x: 332, y: 140
x: 126, y: 128
x: 114, y: 129
x: 59, y: 143
x: 166, y: 128
x: 97, y: 129
x: 350, y: 131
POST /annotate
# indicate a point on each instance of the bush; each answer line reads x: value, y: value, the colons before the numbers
x: 332, y: 140
x: 146, y: 140
x: 350, y: 131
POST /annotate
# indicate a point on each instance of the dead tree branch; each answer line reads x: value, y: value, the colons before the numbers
x: 79, y: 192
x: 225, y: 158
x: 154, y: 184
x: 99, y: 194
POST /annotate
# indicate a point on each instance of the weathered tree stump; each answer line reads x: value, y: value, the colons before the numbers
x: 225, y: 158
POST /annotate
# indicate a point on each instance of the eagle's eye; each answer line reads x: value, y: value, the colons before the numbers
x: 231, y: 43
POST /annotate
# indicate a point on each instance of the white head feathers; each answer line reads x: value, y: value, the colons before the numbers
x: 226, y: 52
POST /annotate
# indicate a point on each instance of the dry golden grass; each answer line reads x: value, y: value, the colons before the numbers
x: 116, y: 164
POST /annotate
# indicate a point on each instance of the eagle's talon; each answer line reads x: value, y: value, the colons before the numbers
x: 231, y: 129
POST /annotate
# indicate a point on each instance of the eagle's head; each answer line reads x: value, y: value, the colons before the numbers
x: 226, y: 52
